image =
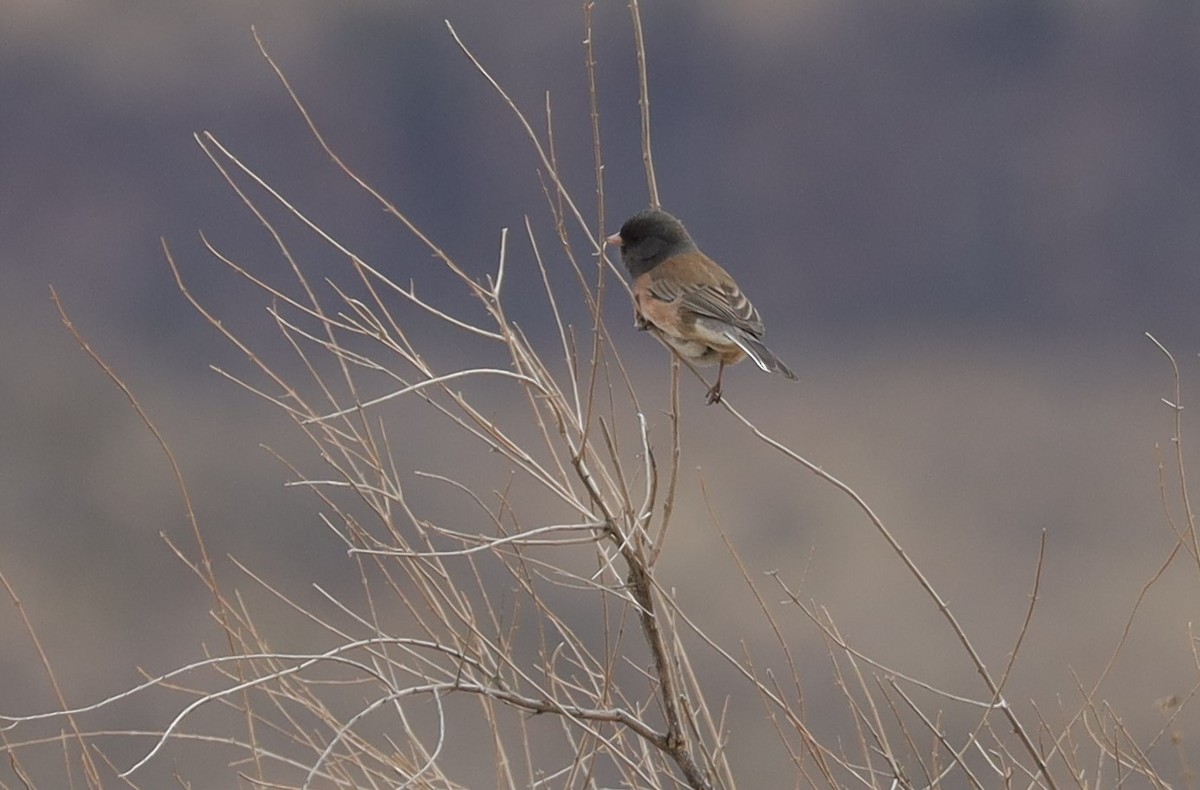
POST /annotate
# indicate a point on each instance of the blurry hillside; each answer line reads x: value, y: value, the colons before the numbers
x: 957, y: 218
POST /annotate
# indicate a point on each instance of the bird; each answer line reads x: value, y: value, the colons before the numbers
x: 687, y: 300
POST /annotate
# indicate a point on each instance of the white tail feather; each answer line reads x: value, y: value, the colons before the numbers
x: 741, y: 343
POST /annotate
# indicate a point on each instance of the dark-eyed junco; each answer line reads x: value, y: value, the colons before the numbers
x: 688, y: 300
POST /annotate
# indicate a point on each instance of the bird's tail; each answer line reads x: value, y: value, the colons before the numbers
x: 756, y: 350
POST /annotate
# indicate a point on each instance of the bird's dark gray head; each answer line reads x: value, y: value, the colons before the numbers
x: 650, y: 237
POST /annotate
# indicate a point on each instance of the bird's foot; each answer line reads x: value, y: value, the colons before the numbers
x: 714, y: 394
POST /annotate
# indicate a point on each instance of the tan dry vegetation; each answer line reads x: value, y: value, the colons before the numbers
x: 568, y: 573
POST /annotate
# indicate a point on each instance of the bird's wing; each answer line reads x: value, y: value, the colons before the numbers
x: 723, y: 301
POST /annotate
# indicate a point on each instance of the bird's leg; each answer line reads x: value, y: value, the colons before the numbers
x: 639, y: 321
x: 714, y: 394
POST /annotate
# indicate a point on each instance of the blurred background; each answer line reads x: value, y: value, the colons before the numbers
x: 957, y: 218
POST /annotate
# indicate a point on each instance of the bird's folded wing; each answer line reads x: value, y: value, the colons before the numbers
x: 722, y: 302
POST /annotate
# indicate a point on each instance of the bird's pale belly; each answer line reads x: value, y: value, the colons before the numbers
x: 698, y: 350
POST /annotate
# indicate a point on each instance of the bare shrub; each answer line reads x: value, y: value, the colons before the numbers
x: 542, y: 643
